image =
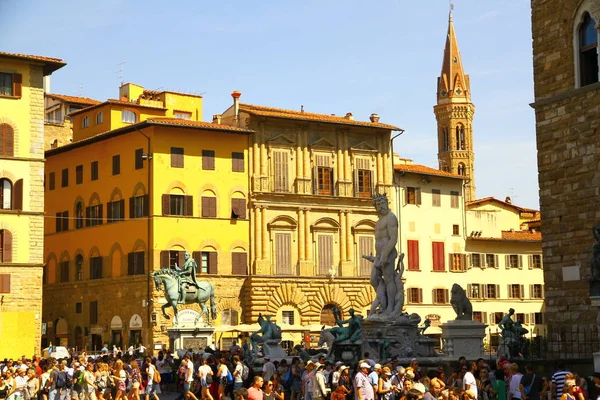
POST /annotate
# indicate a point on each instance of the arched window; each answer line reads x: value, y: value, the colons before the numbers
x: 461, y: 169
x: 446, y: 139
x: 5, y: 246
x: 128, y: 116
x: 79, y: 267
x: 7, y: 137
x: 588, y: 51
x: 460, y: 137
x: 79, y: 215
x: 6, y: 190
x: 327, y: 317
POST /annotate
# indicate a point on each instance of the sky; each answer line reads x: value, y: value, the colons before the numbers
x: 331, y: 56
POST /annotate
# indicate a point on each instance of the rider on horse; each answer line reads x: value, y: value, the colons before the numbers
x: 186, y: 275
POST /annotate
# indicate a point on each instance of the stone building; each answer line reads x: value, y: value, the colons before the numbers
x: 58, y: 129
x: 22, y: 200
x: 567, y: 97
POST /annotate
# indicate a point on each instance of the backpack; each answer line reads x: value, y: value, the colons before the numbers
x: 80, y: 378
x: 229, y: 377
x: 61, y: 380
x: 69, y: 382
x: 156, y: 378
x: 245, y: 372
x: 289, y: 379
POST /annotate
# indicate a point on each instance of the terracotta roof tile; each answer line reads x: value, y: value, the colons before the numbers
x: 512, y: 236
x: 422, y: 169
x: 493, y: 199
x: 73, y: 99
x: 52, y: 63
x: 300, y: 115
x: 196, y: 124
x: 115, y: 101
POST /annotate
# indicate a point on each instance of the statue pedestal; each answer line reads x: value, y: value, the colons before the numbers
x: 190, y: 332
x: 463, y: 338
x: 348, y: 352
x: 273, y: 349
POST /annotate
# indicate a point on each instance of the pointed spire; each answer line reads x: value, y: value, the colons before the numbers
x: 453, y: 84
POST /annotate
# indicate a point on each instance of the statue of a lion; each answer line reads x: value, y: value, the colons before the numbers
x: 460, y: 303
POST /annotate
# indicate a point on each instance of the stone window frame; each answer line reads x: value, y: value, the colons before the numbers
x: 587, y: 6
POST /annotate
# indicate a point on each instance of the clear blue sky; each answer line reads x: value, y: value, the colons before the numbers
x: 331, y: 56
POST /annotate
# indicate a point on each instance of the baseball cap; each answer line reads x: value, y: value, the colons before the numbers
x: 420, y: 387
x: 267, y: 357
x: 364, y: 365
x: 377, y: 366
x: 387, y: 371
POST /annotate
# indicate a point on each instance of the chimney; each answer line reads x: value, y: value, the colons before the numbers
x: 46, y: 84
x: 301, y: 108
x: 374, y: 118
x: 349, y: 116
x: 217, y: 119
x: 236, y: 105
x: 508, y: 200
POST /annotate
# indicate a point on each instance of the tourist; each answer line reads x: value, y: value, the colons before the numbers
x: 558, y: 380
x: 296, y: 372
x: 530, y: 385
x: 222, y: 373
x: 120, y: 377
x: 33, y: 384
x: 270, y: 393
x: 385, y: 389
x: 255, y: 392
x: 240, y: 394
x: 44, y: 382
x: 89, y: 385
x: 165, y: 369
x: 374, y: 377
x: 484, y: 384
x: 320, y: 390
x: 569, y: 390
x: 135, y: 376
x: 363, y: 390
x: 238, y: 381
x: 268, y: 368
x: 514, y: 391
x: 546, y: 390
x: 151, y: 386
x: 307, y: 378
x: 469, y: 384
x: 5, y: 390
x: 277, y: 386
x: 204, y: 373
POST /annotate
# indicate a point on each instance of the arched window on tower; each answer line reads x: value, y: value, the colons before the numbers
x: 445, y: 139
x: 460, y: 137
x: 588, y: 51
x: 6, y: 194
x: 462, y: 169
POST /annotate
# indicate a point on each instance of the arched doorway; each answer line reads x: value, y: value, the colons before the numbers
x: 78, y: 338
x: 62, y: 332
x: 327, y: 317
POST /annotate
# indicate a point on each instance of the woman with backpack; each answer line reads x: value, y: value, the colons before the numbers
x: 135, y: 376
x: 153, y: 379
x: 222, y: 373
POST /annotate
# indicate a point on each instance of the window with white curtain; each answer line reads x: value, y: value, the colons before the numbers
x: 128, y: 116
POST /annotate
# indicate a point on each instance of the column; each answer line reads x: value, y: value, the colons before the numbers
x: 263, y: 160
x: 342, y: 236
x: 265, y: 233
x: 257, y: 234
x: 256, y: 160
x: 307, y: 238
x: 348, y: 237
x: 301, y: 235
x: 299, y: 158
x: 379, y: 168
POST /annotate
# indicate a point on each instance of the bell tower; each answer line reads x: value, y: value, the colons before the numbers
x: 454, y: 114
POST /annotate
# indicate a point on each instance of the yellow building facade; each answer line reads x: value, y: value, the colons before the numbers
x: 22, y: 200
x: 312, y: 178
x: 130, y: 201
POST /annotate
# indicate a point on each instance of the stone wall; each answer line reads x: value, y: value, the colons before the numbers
x: 61, y: 133
x: 569, y: 166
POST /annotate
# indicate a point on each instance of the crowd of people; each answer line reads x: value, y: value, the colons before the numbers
x: 219, y: 375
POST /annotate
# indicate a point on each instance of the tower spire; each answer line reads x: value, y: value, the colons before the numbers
x: 453, y: 84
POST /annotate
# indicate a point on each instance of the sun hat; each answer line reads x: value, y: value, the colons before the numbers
x: 420, y: 387
x: 364, y: 365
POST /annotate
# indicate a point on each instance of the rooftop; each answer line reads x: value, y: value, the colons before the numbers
x: 512, y: 236
x: 51, y: 64
x: 115, y: 101
x: 495, y: 200
x: 302, y: 115
x: 73, y: 99
x: 422, y: 169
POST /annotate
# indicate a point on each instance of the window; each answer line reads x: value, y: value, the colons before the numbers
x: 208, y: 160
x: 413, y: 195
x: 536, y: 291
x: 177, y: 204
x: 6, y: 194
x: 138, y: 206
x: 64, y: 178
x: 497, y: 317
x: 207, y: 261
x: 460, y: 137
x: 239, y: 263
x: 458, y: 262
x: 135, y: 263
x: 491, y: 260
x: 413, y: 255
x: 415, y: 295
x: 128, y: 116
x: 280, y: 173
x: 4, y: 283
x: 454, y: 199
x: 325, y: 253
x: 93, y: 312
x: 438, y: 256
x: 209, y: 207
x: 94, y: 170
x: 461, y: 169
x: 455, y: 230
x: 237, y: 162
x: 64, y: 271
x: 51, y: 181
x: 62, y: 221
x: 535, y: 261
x: 238, y: 208
x: 514, y: 261
x: 78, y: 308
x: 5, y: 246
x: 6, y: 84
x: 93, y: 215
x: 538, y: 318
x: 171, y: 258
x: 436, y: 198
x: 79, y: 267
x: 85, y: 121
x: 79, y: 215
x: 203, y: 264
x: 229, y: 317
x: 588, y: 51
x: 177, y: 157
x: 364, y: 182
x: 7, y: 139
x: 283, y: 253
x: 79, y: 174
x: 96, y: 268
x: 475, y: 260
x: 139, y: 158
x: 287, y: 317
x: 182, y: 114
x: 324, y: 180
x: 515, y: 291
x: 365, y: 247
x: 474, y: 291
x: 116, y: 211
x: 440, y: 296
x: 492, y: 291
x: 480, y: 316
x: 116, y: 164
x: 99, y: 117
x: 445, y: 139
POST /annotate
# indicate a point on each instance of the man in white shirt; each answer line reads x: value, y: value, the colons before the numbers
x: 362, y: 386
x: 268, y: 369
x: 189, y: 378
x: 469, y: 382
